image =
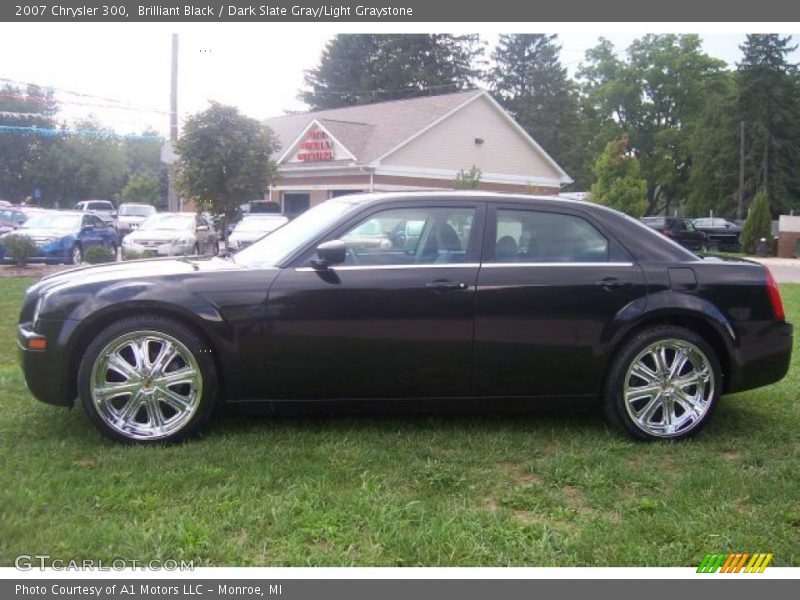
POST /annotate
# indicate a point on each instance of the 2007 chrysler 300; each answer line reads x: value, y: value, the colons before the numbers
x: 431, y: 295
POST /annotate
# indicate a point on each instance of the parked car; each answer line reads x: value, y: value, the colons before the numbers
x: 65, y: 236
x: 721, y: 234
x: 171, y: 234
x: 6, y: 203
x: 130, y: 215
x: 252, y: 228
x: 102, y: 208
x: 11, y: 218
x: 682, y: 231
x: 500, y: 297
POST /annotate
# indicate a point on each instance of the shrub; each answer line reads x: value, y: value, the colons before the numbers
x: 758, y: 224
x: 19, y: 247
x: 98, y: 254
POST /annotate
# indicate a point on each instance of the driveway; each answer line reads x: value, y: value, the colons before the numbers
x: 784, y: 270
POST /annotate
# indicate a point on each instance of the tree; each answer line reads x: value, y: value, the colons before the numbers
x: 655, y: 97
x: 141, y: 188
x: 532, y: 85
x: 365, y: 68
x: 21, y: 147
x: 468, y: 180
x: 619, y: 183
x: 758, y: 224
x: 770, y: 105
x: 225, y: 160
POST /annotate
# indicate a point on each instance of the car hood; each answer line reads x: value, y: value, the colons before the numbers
x: 248, y: 236
x: 159, y: 234
x: 130, y: 219
x: 129, y: 270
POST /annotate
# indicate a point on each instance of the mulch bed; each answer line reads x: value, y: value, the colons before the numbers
x: 33, y: 270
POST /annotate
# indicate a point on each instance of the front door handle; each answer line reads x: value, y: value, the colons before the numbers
x: 612, y: 284
x: 445, y: 285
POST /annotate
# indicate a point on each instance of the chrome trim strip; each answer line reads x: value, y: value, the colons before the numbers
x: 393, y: 267
x: 557, y: 264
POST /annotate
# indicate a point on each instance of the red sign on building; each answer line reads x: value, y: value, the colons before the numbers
x: 316, y: 146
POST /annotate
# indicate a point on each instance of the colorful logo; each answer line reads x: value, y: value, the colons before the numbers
x: 735, y: 562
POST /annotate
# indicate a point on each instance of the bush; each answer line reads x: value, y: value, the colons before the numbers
x: 98, y: 254
x: 19, y: 247
x: 758, y: 224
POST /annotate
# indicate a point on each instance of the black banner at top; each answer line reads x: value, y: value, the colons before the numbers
x: 394, y: 11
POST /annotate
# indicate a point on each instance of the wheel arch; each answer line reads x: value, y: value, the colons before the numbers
x: 90, y: 327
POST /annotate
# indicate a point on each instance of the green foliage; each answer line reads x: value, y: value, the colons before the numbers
x: 655, y: 97
x: 141, y: 188
x: 18, y: 247
x: 99, y: 254
x: 769, y: 100
x: 532, y: 85
x: 225, y: 159
x: 366, y: 68
x: 618, y: 180
x: 468, y: 180
x: 758, y: 223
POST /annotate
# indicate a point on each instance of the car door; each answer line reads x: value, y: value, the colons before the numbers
x: 91, y: 232
x: 551, y: 283
x: 395, y: 320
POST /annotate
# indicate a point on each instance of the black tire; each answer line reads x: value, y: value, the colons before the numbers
x: 619, y: 412
x: 202, y: 403
x: 113, y: 249
x: 76, y: 255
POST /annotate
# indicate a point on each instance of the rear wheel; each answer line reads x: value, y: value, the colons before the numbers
x: 147, y: 379
x: 663, y: 384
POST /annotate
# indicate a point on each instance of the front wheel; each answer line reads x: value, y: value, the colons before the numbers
x: 147, y: 379
x: 664, y: 384
x: 76, y: 255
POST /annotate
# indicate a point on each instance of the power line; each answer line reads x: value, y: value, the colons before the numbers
x: 95, y: 133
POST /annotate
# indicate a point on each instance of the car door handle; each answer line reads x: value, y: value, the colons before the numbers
x: 612, y: 284
x: 444, y: 285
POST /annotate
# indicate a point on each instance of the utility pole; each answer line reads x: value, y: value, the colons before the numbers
x: 740, y: 204
x: 172, y: 197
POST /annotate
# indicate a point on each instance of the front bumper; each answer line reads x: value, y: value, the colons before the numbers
x: 47, y: 372
x: 133, y: 250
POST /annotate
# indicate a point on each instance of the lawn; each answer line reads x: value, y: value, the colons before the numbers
x: 533, y: 489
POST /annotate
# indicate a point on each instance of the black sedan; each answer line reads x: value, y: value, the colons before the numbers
x: 484, y: 296
x: 680, y: 230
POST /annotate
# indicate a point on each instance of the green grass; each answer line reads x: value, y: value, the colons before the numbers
x: 536, y: 489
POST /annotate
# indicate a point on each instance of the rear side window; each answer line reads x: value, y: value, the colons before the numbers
x: 544, y: 237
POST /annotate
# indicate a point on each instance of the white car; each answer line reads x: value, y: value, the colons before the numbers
x: 252, y: 228
x: 171, y: 234
x: 131, y: 215
x: 102, y: 208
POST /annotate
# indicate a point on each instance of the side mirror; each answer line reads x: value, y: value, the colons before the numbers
x: 333, y: 252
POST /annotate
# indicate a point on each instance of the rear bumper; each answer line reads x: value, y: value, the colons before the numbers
x: 762, y: 357
x: 46, y: 371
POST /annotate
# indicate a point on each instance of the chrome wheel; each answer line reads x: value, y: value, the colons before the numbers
x: 146, y: 385
x: 77, y: 255
x: 668, y: 388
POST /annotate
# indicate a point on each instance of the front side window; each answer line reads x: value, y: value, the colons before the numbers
x: 525, y: 236
x: 410, y: 236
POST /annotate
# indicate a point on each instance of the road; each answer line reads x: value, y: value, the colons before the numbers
x: 784, y: 270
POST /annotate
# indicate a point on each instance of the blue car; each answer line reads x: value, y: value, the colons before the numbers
x: 64, y: 236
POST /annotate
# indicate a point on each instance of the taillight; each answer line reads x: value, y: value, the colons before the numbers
x: 774, y: 297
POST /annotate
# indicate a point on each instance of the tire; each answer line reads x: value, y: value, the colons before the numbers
x: 113, y: 249
x: 164, y: 395
x: 641, y: 393
x: 76, y: 255
x: 196, y: 250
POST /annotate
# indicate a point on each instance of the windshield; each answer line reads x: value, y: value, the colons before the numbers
x: 172, y: 222
x: 134, y: 210
x: 271, y: 250
x: 260, y: 224
x: 53, y: 221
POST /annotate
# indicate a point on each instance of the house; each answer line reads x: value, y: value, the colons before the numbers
x: 416, y: 144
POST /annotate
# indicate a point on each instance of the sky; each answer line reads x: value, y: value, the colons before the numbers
x: 120, y: 72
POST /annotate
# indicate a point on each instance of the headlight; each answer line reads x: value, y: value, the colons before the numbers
x: 126, y: 241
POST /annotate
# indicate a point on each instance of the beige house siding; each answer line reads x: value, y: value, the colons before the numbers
x: 450, y: 145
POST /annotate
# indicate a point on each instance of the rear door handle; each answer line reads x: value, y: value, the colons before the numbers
x: 612, y: 284
x: 444, y: 285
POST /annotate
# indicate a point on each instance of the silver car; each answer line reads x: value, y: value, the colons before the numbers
x: 171, y: 234
x: 130, y: 215
x: 252, y: 228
